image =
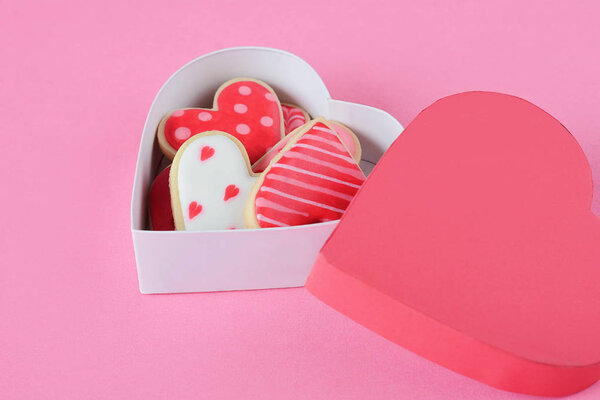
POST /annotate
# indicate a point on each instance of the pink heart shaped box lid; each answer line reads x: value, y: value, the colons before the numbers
x: 472, y: 243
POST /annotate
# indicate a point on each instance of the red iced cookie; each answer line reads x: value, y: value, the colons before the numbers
x: 313, y: 179
x: 293, y: 117
x: 245, y: 108
x: 161, y: 216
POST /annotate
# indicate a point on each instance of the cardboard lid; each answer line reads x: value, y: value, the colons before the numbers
x: 472, y: 243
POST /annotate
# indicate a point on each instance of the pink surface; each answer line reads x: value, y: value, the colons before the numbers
x: 499, y: 284
x: 76, y: 83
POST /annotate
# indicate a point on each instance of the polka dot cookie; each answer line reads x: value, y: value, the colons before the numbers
x: 245, y: 108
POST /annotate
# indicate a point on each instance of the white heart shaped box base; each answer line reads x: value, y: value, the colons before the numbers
x: 201, y: 261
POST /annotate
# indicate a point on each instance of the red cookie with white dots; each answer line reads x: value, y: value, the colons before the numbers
x: 245, y: 108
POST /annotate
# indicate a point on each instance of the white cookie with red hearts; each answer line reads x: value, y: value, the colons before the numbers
x: 210, y: 181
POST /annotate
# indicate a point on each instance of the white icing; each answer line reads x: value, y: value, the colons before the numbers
x: 205, y: 182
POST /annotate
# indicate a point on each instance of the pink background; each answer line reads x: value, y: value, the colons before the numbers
x: 76, y: 82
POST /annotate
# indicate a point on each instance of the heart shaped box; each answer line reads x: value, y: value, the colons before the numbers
x: 178, y: 261
x: 472, y: 243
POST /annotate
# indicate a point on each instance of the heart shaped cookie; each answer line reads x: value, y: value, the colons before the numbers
x: 347, y: 137
x: 472, y: 244
x: 210, y: 181
x: 312, y: 179
x: 245, y: 108
x: 293, y: 117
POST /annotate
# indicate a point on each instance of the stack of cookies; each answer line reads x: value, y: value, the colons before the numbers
x: 252, y: 162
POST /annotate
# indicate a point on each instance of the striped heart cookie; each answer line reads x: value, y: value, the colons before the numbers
x: 293, y: 117
x: 311, y: 180
x: 210, y: 181
x: 348, y: 138
x: 245, y: 108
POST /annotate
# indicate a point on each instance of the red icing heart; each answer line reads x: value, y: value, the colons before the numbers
x: 230, y: 192
x: 314, y: 180
x: 194, y: 209
x: 206, y: 153
x: 472, y: 243
x: 246, y: 109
